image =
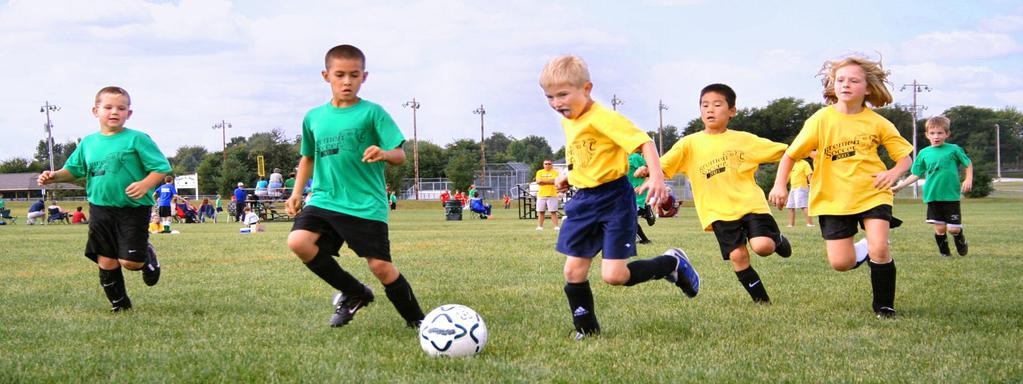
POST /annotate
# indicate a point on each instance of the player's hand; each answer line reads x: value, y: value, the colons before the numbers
x: 372, y: 154
x: 779, y: 196
x: 897, y: 187
x: 886, y: 179
x: 641, y: 172
x: 656, y: 190
x: 967, y: 186
x: 136, y: 190
x: 293, y: 204
x: 46, y: 177
x: 561, y: 183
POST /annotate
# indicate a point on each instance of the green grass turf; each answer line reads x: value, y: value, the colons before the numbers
x: 240, y: 308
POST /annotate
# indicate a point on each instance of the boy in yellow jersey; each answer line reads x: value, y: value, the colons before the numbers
x: 601, y: 217
x: 720, y: 164
x: 799, y: 191
x: 547, y: 196
x: 850, y: 186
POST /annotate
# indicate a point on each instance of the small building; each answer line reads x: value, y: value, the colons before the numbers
x: 23, y: 186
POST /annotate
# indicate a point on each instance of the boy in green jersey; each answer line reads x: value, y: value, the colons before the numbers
x: 939, y: 164
x: 121, y: 167
x: 345, y: 144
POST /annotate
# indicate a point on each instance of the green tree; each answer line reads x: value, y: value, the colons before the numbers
x: 188, y: 158
x: 532, y: 150
x: 671, y: 136
x: 19, y: 165
x: 462, y: 169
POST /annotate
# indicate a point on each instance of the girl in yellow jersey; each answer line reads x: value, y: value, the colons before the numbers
x: 850, y: 185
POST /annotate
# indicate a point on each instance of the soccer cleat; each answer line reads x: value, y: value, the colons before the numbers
x: 960, y: 241
x: 347, y: 306
x: 557, y: 229
x: 413, y: 324
x: 151, y: 271
x: 648, y: 214
x: 123, y: 305
x: 684, y: 276
x: 578, y: 335
x: 783, y: 248
x: 644, y: 241
x: 885, y: 313
x: 539, y: 228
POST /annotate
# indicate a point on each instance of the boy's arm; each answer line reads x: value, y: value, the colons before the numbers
x: 905, y: 182
x: 305, y: 169
x: 780, y: 193
x: 968, y: 180
x: 654, y: 184
x: 139, y: 188
x: 887, y: 178
x: 59, y: 176
x: 374, y: 154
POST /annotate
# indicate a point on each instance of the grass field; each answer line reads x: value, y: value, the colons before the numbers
x: 241, y: 308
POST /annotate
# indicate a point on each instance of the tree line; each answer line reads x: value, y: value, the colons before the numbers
x: 973, y: 128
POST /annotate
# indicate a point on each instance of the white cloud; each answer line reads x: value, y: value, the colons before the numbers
x: 959, y: 45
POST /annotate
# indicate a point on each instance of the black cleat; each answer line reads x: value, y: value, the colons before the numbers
x: 960, y: 241
x: 121, y: 306
x: 783, y: 248
x: 648, y: 214
x: 885, y: 313
x: 644, y: 241
x: 578, y: 335
x: 151, y: 271
x: 413, y: 324
x: 684, y: 276
x: 347, y: 306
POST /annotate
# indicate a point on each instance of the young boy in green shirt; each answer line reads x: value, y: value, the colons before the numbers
x: 345, y: 144
x: 121, y: 167
x: 939, y: 164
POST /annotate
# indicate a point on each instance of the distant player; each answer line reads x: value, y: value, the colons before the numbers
x: 721, y: 164
x: 352, y: 137
x: 121, y: 167
x: 602, y: 214
x: 799, y: 191
x: 850, y: 186
x: 547, y: 196
x: 939, y: 164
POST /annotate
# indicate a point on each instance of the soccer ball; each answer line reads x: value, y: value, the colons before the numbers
x: 452, y: 330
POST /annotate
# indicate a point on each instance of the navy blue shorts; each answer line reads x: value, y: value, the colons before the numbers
x: 602, y: 218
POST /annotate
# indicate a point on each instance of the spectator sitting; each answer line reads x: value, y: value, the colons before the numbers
x: 206, y: 210
x: 276, y: 184
x: 57, y: 213
x: 186, y: 212
x: 668, y: 206
x: 37, y: 210
x: 154, y: 223
x: 252, y: 221
x: 261, y: 186
x: 78, y: 217
x: 476, y: 204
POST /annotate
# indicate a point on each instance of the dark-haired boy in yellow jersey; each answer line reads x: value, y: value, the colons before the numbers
x: 720, y: 164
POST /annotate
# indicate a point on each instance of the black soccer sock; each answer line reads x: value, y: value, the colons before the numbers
x: 400, y: 293
x: 639, y: 232
x: 942, y: 241
x: 882, y: 280
x: 580, y: 302
x: 330, y: 271
x: 112, y: 282
x: 751, y: 282
x: 650, y: 269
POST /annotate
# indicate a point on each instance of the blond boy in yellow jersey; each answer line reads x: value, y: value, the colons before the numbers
x: 799, y: 191
x: 850, y: 186
x: 601, y: 217
x: 720, y: 164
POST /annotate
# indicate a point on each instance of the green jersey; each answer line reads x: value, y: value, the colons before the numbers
x: 940, y: 166
x: 635, y: 161
x: 110, y: 163
x: 335, y: 139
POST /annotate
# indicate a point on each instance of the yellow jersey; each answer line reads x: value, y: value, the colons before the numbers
x: 800, y: 172
x: 847, y: 159
x: 598, y: 144
x: 721, y: 169
x: 547, y: 190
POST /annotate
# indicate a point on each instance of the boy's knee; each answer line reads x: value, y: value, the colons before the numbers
x: 842, y: 265
x: 132, y: 265
x: 615, y: 279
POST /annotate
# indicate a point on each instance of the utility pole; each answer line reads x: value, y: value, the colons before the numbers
x: 415, y: 144
x: 615, y: 102
x: 917, y: 88
x: 47, y: 108
x: 223, y: 126
x: 998, y: 150
x: 483, y: 154
x: 660, y: 127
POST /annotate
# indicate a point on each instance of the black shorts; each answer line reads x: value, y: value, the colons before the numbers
x: 165, y: 211
x: 944, y: 212
x: 834, y: 227
x: 118, y: 232
x: 734, y: 234
x: 367, y: 238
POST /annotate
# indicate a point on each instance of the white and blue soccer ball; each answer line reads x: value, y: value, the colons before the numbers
x: 452, y: 330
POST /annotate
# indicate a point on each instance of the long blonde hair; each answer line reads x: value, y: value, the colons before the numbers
x: 877, y: 76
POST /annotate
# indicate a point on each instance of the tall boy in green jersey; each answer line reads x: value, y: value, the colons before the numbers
x: 121, y: 168
x: 344, y: 146
x: 939, y: 164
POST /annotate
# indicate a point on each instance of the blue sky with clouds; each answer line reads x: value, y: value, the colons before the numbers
x: 188, y: 64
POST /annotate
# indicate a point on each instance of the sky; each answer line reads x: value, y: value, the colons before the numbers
x: 256, y: 64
